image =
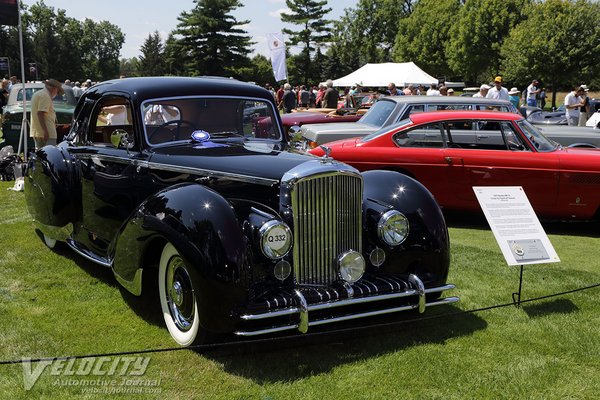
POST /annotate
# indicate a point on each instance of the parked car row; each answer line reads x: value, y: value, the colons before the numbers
x: 191, y: 183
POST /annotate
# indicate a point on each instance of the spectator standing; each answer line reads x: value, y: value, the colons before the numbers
x: 330, y: 98
x: 12, y: 81
x: 320, y: 95
x: 312, y: 100
x: 443, y: 90
x: 584, y: 110
x: 77, y: 90
x: 408, y: 91
x: 43, y: 116
x: 393, y: 90
x: 543, y: 98
x: 497, y: 92
x: 450, y: 92
x: 532, y: 93
x: 483, y: 91
x: 3, y: 96
x: 514, y: 96
x: 289, y: 98
x: 433, y: 91
x: 279, y: 94
x: 304, y: 96
x: 572, y: 105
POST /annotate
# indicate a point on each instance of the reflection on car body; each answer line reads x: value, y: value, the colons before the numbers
x: 242, y: 236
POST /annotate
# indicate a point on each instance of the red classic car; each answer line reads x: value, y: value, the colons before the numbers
x: 452, y: 151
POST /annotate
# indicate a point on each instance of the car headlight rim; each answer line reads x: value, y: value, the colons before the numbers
x: 393, y: 228
x: 275, y: 239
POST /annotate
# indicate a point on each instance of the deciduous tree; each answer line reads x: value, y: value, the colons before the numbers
x: 558, y: 43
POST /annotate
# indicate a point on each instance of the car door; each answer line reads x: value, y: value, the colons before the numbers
x: 494, y: 153
x: 419, y: 152
x: 113, y: 180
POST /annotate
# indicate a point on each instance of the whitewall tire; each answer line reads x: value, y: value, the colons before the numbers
x: 177, y: 297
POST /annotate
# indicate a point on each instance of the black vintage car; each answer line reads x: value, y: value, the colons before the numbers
x: 176, y: 179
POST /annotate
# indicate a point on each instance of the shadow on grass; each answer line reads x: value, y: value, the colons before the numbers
x: 301, y: 356
x: 559, y: 306
x: 477, y: 220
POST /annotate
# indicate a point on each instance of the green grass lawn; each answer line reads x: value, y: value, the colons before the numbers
x: 58, y: 304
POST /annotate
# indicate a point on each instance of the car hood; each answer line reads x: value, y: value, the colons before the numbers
x: 245, y: 160
x: 335, y: 131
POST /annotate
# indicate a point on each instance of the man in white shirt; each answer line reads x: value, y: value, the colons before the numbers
x: 498, y: 92
x: 432, y: 91
x: 483, y: 91
x: 532, y: 92
x: 572, y: 105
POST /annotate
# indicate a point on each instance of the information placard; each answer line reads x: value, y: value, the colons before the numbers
x: 515, y: 226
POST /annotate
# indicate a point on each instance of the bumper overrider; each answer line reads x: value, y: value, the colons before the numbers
x: 311, y: 306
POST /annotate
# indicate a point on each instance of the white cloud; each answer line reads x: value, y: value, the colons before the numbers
x: 277, y: 13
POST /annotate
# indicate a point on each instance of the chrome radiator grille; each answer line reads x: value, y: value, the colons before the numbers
x: 327, y: 213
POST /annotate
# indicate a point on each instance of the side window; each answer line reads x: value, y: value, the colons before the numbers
x: 513, y: 139
x: 417, y: 108
x: 112, y: 123
x: 460, y: 134
x: 429, y: 136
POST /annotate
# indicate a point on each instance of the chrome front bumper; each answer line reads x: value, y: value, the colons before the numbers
x: 301, y: 311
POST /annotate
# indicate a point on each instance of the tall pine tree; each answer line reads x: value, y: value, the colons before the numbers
x: 314, y: 31
x: 212, y: 42
x: 152, y: 60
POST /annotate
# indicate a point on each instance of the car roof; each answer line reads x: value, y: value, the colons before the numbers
x: 420, y: 118
x: 444, y: 100
x: 170, y: 86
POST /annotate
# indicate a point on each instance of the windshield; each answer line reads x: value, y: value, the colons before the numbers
x: 209, y: 119
x: 537, y: 139
x: 378, y: 113
x: 386, y: 129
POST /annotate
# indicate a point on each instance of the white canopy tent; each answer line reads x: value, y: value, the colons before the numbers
x: 375, y: 75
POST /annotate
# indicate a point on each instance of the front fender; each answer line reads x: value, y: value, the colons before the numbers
x: 204, y: 229
x: 426, y: 251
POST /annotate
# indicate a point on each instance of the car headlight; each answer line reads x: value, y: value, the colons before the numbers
x: 275, y: 239
x: 351, y: 266
x: 393, y: 228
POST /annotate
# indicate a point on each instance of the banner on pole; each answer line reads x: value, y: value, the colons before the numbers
x: 277, y: 48
x: 9, y: 12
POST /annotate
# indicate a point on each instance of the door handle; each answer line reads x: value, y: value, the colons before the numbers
x: 482, y: 136
x: 449, y: 160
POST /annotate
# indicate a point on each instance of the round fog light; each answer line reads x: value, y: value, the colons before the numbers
x: 393, y: 228
x: 282, y: 270
x: 377, y: 257
x: 352, y: 266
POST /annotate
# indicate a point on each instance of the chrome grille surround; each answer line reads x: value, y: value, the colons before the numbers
x: 325, y: 198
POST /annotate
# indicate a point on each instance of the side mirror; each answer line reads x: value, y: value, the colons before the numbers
x: 120, y: 138
x: 294, y: 133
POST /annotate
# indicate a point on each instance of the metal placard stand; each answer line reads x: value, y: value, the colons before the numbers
x: 517, y: 295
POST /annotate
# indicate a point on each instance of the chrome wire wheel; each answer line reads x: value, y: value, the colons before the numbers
x: 177, y: 298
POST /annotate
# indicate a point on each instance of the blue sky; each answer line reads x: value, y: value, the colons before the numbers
x: 138, y: 18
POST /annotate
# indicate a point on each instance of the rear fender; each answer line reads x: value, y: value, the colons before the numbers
x: 53, y: 188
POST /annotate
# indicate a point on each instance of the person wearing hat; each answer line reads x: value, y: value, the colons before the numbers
x: 43, y: 116
x: 498, y: 92
x: 514, y: 96
x: 584, y: 110
x: 483, y: 91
